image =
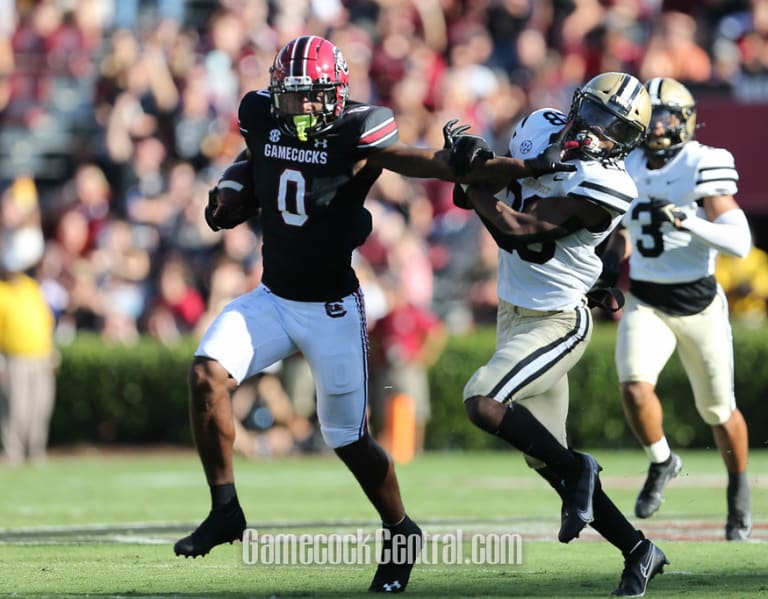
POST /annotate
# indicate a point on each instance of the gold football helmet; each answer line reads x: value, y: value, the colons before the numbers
x: 673, y: 117
x: 612, y: 106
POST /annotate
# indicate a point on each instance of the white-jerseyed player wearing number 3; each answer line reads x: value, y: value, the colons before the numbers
x: 548, y: 229
x: 684, y: 215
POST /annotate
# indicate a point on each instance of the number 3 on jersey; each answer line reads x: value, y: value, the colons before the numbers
x: 649, y: 232
x: 292, y: 183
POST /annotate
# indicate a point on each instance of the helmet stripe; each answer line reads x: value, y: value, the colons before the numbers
x: 654, y: 89
x: 310, y: 51
x: 298, y: 56
x: 627, y: 93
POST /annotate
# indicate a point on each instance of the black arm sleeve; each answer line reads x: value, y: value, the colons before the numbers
x: 510, y: 242
x: 504, y: 241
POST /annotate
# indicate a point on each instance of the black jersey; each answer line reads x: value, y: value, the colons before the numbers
x: 312, y: 213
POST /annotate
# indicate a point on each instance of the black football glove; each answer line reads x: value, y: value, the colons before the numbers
x: 460, y: 199
x: 609, y: 299
x: 467, y: 151
x: 450, y: 134
x: 210, y: 209
x: 665, y: 212
x: 549, y: 161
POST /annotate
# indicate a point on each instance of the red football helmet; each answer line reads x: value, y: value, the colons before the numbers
x: 308, y: 66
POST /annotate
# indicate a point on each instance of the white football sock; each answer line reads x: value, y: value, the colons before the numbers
x: 658, y: 452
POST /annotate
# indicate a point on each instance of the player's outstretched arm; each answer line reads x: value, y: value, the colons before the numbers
x: 500, y: 170
x: 546, y: 219
x: 467, y: 159
x: 473, y: 161
x: 410, y: 161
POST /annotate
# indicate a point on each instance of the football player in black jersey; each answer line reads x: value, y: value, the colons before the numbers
x: 314, y: 156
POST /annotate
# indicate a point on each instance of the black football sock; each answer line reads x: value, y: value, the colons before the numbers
x: 222, y: 495
x: 739, y: 499
x: 520, y: 429
x: 404, y: 526
x: 411, y: 533
x: 612, y: 524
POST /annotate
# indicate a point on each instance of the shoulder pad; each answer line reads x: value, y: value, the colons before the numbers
x: 253, y: 107
x: 378, y: 128
x: 535, y: 132
x: 716, y: 172
x: 607, y: 184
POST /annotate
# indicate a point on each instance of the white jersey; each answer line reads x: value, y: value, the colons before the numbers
x: 668, y: 255
x: 555, y: 275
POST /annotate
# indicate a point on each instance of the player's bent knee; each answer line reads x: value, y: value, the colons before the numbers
x: 205, y: 375
x: 715, y: 415
x: 484, y: 412
x: 337, y: 438
x: 635, y: 393
x: 366, y: 459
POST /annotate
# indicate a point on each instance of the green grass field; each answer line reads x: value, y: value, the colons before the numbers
x: 102, y: 525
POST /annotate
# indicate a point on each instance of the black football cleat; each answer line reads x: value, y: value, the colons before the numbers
x: 402, y: 547
x: 652, y: 494
x: 643, y: 563
x: 738, y: 527
x: 579, y: 487
x: 224, y: 525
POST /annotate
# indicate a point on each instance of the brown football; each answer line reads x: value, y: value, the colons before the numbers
x: 237, y: 201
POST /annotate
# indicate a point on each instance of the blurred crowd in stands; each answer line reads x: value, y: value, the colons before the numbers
x: 116, y: 116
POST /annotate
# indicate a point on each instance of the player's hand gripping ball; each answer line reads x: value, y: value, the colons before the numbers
x: 232, y: 201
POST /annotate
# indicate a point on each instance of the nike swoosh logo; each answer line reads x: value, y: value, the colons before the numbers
x: 559, y: 178
x: 585, y: 516
x: 671, y: 182
x: 645, y: 568
x: 588, y: 515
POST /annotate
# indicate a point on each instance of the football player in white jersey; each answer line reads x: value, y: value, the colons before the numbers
x: 684, y: 215
x: 548, y: 229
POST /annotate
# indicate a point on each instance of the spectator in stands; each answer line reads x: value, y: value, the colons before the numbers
x: 27, y: 378
x: 121, y: 266
x: 21, y: 243
x: 673, y: 50
x: 129, y: 14
x: 88, y: 192
x: 745, y: 282
x: 198, y: 128
x: 177, y: 305
x: 266, y: 421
